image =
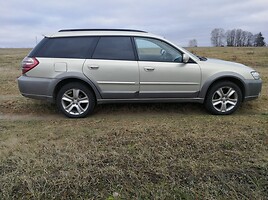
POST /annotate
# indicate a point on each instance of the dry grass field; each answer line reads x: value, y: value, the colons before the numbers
x: 133, y: 151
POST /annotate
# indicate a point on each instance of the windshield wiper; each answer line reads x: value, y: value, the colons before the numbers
x: 202, y: 58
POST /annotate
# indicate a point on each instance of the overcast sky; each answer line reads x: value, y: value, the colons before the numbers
x: 22, y: 21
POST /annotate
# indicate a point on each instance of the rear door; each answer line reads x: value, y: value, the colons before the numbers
x: 113, y: 68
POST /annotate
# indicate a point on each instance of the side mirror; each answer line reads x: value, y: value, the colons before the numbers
x: 185, y: 58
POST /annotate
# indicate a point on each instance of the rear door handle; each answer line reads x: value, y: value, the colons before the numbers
x: 93, y: 67
x: 149, y: 69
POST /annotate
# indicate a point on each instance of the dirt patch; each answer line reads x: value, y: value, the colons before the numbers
x: 21, y: 117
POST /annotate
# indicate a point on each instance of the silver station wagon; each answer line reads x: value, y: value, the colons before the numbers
x: 80, y: 68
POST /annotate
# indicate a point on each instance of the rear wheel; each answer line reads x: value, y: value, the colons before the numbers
x: 223, y: 98
x: 75, y: 100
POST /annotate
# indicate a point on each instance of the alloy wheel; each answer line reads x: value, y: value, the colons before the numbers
x: 75, y: 101
x: 224, y: 99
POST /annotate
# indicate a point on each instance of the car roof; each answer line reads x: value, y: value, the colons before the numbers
x: 100, y: 32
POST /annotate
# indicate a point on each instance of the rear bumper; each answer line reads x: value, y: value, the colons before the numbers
x: 252, y: 89
x: 36, y: 88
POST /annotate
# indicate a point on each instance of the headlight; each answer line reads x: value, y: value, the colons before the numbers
x: 255, y: 75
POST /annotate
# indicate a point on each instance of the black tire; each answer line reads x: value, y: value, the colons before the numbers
x: 75, y: 100
x: 223, y: 98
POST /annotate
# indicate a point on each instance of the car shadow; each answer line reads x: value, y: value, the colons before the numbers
x: 143, y: 108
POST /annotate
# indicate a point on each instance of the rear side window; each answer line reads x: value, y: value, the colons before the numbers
x: 114, y: 48
x: 66, y: 47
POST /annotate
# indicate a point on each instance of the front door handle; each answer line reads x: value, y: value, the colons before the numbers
x: 93, y: 67
x: 149, y: 69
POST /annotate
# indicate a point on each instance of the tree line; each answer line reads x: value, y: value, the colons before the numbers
x: 233, y: 38
x: 236, y: 38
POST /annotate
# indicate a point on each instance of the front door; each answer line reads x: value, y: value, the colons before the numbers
x: 162, y: 72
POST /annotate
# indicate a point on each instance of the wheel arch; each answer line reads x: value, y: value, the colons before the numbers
x: 235, y: 79
x: 73, y: 78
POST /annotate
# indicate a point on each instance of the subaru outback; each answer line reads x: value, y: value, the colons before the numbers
x: 80, y: 68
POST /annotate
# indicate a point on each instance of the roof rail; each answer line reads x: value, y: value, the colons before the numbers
x: 128, y: 30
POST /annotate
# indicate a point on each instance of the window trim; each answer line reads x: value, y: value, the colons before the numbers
x: 95, y: 43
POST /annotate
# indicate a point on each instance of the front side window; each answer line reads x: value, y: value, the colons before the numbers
x: 155, y: 50
x: 66, y: 47
x: 114, y: 48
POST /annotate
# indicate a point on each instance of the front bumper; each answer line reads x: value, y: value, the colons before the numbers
x: 252, y: 89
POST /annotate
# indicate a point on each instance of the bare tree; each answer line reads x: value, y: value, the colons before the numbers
x: 192, y: 43
x: 230, y: 37
x: 243, y: 38
x: 217, y: 37
x: 238, y: 37
x: 250, y: 39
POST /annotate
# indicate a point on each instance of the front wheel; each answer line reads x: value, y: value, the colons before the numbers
x: 223, y: 98
x: 75, y: 100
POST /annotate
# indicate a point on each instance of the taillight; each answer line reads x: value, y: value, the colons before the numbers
x: 28, y: 63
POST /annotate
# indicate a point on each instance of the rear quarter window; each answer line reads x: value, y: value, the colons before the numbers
x: 66, y: 47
